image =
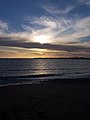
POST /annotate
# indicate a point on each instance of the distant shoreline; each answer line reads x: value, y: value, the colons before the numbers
x: 46, y: 58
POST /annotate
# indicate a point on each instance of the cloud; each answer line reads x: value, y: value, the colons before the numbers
x: 69, y: 48
x: 59, y: 30
x: 83, y: 24
x: 3, y: 26
x: 54, y: 10
x: 48, y: 26
x: 62, y: 34
x: 85, y: 2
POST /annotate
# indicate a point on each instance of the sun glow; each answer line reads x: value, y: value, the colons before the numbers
x: 42, y: 39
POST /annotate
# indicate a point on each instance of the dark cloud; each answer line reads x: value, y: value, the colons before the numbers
x: 72, y: 42
x: 23, y: 44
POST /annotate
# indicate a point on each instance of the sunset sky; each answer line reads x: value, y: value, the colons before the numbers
x: 44, y: 28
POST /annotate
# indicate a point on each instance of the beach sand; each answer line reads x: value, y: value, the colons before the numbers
x: 46, y: 101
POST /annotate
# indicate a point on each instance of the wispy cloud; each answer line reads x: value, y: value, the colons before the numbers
x: 3, y: 26
x: 61, y: 34
x: 49, y: 26
x: 59, y: 30
x: 55, y: 10
x: 85, y: 1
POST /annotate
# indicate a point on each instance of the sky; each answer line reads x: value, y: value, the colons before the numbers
x: 44, y: 28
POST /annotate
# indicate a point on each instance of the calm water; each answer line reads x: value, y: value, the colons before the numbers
x: 26, y: 71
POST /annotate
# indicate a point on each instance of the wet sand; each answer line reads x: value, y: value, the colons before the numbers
x: 46, y: 101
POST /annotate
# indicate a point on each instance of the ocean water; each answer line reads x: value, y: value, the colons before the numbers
x: 29, y: 71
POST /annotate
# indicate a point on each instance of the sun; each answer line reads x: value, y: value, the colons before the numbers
x: 42, y: 39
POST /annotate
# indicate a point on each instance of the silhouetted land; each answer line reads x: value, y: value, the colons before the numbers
x: 46, y: 58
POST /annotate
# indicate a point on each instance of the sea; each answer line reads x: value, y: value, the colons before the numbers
x: 35, y: 71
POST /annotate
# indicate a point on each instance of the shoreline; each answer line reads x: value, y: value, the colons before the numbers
x: 51, y: 100
x: 41, y: 81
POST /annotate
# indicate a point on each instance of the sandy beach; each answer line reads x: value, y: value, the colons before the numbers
x: 46, y: 101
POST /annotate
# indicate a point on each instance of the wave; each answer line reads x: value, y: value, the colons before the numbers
x: 62, y: 75
x: 29, y: 76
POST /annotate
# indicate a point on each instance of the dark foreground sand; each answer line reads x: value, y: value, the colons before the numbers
x: 46, y: 101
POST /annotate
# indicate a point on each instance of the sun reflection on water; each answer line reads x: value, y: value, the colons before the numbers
x: 41, y: 67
